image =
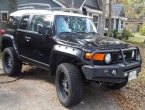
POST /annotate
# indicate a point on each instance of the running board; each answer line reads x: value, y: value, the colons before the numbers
x: 32, y: 61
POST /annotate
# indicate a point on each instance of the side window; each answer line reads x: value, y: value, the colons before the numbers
x: 24, y: 22
x: 13, y: 22
x: 37, y: 20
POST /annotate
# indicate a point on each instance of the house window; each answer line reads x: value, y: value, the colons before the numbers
x: 4, y: 16
x: 107, y: 23
x: 90, y: 14
x: 121, y: 24
x: 96, y: 20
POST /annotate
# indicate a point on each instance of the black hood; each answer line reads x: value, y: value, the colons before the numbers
x: 91, y: 40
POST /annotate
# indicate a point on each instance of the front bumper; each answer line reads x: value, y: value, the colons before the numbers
x: 111, y: 73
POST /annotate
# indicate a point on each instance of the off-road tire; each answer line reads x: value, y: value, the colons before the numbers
x: 16, y: 64
x: 74, y: 82
x: 116, y: 86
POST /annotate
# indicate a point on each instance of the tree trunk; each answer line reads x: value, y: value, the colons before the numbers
x: 110, y: 19
x: 103, y: 20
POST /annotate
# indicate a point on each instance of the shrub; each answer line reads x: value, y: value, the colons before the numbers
x: 122, y: 36
x: 116, y: 34
x: 142, y: 30
x: 126, y: 34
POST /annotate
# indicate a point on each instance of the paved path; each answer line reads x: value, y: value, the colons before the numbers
x: 35, y: 91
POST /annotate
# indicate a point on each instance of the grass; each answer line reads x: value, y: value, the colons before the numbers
x: 137, y: 40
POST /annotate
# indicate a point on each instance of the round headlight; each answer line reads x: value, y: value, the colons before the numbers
x: 108, y: 58
x: 133, y: 54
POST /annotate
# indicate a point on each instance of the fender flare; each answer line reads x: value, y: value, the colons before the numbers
x: 69, y: 51
x: 10, y: 39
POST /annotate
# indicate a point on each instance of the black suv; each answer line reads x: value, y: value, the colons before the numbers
x: 69, y: 47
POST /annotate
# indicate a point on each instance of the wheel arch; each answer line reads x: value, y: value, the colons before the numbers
x: 8, y: 41
x: 64, y: 54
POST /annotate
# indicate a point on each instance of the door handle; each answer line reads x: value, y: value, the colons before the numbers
x: 27, y: 38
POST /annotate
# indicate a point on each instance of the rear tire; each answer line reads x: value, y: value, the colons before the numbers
x: 116, y: 86
x: 69, y: 85
x: 12, y: 65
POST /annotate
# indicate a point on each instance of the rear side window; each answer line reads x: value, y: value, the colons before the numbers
x: 37, y: 20
x: 13, y: 22
x: 24, y: 22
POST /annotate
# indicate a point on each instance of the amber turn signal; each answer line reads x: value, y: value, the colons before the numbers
x: 97, y: 57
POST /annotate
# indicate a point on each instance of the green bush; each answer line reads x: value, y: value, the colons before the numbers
x: 116, y: 34
x: 126, y: 34
x: 142, y: 30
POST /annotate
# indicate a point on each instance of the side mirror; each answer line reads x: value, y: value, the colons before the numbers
x: 45, y: 30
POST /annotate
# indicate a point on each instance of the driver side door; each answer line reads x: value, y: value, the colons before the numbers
x: 40, y: 43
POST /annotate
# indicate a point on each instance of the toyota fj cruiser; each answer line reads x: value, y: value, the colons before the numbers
x: 69, y: 46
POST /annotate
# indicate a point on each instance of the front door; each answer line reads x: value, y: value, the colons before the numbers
x: 39, y: 44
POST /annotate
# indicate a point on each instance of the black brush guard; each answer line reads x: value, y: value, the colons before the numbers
x: 116, y: 50
x: 103, y: 73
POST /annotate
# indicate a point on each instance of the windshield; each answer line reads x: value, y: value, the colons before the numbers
x: 74, y: 24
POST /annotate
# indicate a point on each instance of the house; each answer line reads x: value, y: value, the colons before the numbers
x: 133, y: 24
x: 117, y: 18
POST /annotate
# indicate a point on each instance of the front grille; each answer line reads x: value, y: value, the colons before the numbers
x: 118, y: 58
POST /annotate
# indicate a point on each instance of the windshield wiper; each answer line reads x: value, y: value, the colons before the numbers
x: 93, y: 33
x: 88, y: 33
x: 67, y: 33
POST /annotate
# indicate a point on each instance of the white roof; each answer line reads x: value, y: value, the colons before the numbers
x: 22, y: 12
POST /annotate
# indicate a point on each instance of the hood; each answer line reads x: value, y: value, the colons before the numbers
x: 91, y: 41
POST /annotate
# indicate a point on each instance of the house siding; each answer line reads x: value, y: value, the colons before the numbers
x: 92, y: 4
x: 4, y: 5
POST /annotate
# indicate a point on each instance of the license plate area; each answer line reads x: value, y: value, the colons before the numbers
x: 132, y: 75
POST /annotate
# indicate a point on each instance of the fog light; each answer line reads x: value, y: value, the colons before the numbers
x: 114, y: 72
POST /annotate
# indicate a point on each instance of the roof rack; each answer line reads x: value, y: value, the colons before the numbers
x: 34, y: 6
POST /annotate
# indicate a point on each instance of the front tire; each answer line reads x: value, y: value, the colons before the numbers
x: 11, y: 63
x: 69, y: 85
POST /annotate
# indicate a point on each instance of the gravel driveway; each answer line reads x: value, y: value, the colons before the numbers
x: 34, y: 90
